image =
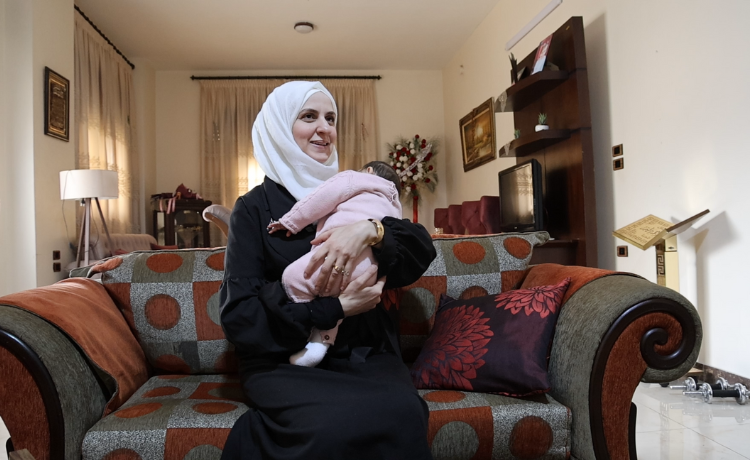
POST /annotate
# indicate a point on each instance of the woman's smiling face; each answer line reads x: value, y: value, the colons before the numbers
x: 314, y: 130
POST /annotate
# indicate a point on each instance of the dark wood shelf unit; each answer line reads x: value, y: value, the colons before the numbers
x: 526, y: 145
x: 166, y: 231
x: 561, y: 252
x: 565, y: 151
x: 529, y: 89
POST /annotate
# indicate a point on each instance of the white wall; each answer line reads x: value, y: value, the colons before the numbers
x: 667, y: 82
x: 34, y: 34
x: 409, y: 103
x: 18, y: 270
x: 52, y: 47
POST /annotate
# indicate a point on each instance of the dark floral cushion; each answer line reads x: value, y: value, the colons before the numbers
x: 465, y: 267
x: 493, y: 344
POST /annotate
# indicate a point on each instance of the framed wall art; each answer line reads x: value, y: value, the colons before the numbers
x: 56, y: 105
x: 478, y: 136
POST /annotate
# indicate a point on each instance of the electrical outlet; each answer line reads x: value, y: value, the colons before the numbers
x: 622, y: 251
x: 56, y: 267
x: 617, y: 150
x: 55, y: 255
x: 618, y: 163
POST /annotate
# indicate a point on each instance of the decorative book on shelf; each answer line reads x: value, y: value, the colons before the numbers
x: 648, y: 231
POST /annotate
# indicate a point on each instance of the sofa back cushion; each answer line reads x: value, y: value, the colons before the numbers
x: 470, y: 218
x: 171, y: 302
x: 171, y: 298
x: 441, y: 220
x: 465, y: 267
x: 489, y: 213
x: 125, y: 242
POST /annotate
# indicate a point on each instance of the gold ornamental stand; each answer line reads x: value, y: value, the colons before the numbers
x: 662, y: 234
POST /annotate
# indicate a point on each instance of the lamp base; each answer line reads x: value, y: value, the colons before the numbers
x: 84, y: 239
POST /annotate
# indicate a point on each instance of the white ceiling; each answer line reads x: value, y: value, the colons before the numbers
x: 259, y: 34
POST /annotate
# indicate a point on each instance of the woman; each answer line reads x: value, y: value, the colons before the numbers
x: 359, y: 402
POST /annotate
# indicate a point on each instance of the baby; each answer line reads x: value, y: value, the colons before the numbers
x: 347, y: 197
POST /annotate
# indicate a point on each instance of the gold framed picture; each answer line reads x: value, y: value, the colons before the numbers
x: 56, y: 105
x: 478, y: 136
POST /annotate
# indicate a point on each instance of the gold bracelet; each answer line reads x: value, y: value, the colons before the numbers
x: 379, y: 228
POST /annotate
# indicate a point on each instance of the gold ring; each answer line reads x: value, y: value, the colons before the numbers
x: 337, y: 269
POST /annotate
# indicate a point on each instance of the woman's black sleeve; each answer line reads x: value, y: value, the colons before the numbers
x: 256, y: 314
x: 406, y: 253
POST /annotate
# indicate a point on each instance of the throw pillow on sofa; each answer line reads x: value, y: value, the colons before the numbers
x: 492, y: 344
x: 170, y: 300
x: 465, y: 266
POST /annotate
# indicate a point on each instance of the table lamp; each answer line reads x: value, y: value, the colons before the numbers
x: 85, y: 184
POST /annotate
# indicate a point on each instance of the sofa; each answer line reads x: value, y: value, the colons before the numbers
x: 135, y: 365
x: 122, y: 242
x: 480, y: 217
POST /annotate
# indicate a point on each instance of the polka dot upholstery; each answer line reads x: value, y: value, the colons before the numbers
x: 171, y: 302
x: 465, y: 267
x: 467, y: 425
x: 181, y: 417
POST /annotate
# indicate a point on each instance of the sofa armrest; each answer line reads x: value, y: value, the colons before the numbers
x: 49, y: 394
x: 614, y: 331
x: 78, y: 314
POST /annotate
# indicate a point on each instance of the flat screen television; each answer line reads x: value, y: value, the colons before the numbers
x: 521, y: 207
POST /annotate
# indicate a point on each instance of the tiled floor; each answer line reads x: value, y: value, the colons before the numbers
x: 671, y: 426
x: 3, y: 439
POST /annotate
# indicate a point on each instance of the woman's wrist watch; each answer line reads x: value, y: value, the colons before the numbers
x: 378, y: 228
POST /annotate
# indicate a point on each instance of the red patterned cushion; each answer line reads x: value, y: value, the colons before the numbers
x: 495, y: 344
x: 465, y: 267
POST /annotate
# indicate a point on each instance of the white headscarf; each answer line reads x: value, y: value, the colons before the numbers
x: 274, y: 146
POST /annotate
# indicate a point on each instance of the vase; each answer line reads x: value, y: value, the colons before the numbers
x: 538, y: 128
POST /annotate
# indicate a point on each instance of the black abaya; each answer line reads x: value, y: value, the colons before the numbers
x: 359, y: 403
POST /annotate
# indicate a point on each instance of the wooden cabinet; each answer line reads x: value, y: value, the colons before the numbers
x: 565, y: 151
x: 183, y: 226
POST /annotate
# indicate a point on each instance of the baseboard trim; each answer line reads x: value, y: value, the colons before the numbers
x: 711, y: 374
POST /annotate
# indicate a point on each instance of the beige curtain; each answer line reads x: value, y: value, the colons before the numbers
x: 358, y: 121
x: 105, y: 135
x: 228, y: 111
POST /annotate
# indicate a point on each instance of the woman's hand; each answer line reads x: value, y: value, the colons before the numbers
x: 338, y: 250
x: 359, y: 296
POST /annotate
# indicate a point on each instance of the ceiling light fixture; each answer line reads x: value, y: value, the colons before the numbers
x: 304, y: 27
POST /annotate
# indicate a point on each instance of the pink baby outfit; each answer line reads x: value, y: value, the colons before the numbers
x: 347, y: 197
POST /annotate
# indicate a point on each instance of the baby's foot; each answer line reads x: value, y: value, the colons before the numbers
x: 310, y: 356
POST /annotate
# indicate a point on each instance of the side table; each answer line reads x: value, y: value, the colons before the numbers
x: 184, y: 226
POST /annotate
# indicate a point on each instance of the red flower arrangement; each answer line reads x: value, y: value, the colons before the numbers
x: 412, y: 160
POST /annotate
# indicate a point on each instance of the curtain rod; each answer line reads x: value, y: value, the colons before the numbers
x: 132, y: 66
x: 293, y: 77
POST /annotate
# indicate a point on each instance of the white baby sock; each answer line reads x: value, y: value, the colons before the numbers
x: 311, y: 355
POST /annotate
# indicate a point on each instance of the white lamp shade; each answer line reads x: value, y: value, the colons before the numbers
x: 88, y: 183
